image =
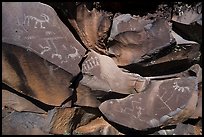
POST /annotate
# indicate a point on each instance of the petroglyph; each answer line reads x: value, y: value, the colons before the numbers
x: 72, y: 55
x: 45, y: 49
x: 57, y: 55
x: 134, y: 110
x: 51, y: 44
x: 27, y: 19
x: 178, y: 88
x: 30, y: 37
x: 75, y: 54
x: 164, y: 102
x: 47, y: 33
x: 90, y: 64
x: 21, y: 25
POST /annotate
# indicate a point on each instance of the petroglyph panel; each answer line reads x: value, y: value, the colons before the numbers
x: 37, y: 27
x: 161, y: 103
x: 92, y: 62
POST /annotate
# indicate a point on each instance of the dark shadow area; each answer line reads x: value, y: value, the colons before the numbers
x: 131, y: 7
x: 165, y: 68
x: 193, y: 121
x: 112, y: 95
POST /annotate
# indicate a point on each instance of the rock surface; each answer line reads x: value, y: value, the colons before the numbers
x: 33, y: 76
x: 37, y: 28
x: 97, y: 126
x: 101, y: 68
x: 165, y: 102
x: 99, y: 73
x: 18, y: 103
x: 24, y: 123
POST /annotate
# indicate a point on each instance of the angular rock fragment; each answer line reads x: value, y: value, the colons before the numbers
x: 86, y: 97
x: 180, y: 40
x: 33, y: 76
x: 65, y: 120
x: 24, y: 123
x: 194, y: 70
x: 164, y: 102
x: 18, y: 103
x: 97, y: 126
x: 92, y: 26
x: 101, y: 73
x: 134, y: 39
x: 187, y: 129
x: 177, y: 59
x: 60, y: 120
x: 37, y: 28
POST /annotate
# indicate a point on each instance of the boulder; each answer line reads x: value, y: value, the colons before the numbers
x: 164, y: 102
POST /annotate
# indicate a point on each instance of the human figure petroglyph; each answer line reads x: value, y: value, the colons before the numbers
x: 45, y: 19
x: 177, y: 87
x: 51, y: 44
x: 21, y: 25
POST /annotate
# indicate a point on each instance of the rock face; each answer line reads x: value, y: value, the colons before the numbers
x: 97, y: 126
x: 33, y: 76
x: 92, y: 26
x: 165, y: 102
x: 36, y: 27
x: 89, y: 68
x: 134, y: 39
x: 86, y: 97
x: 18, y: 103
x: 183, y: 129
x: 99, y: 73
x: 24, y: 123
x: 65, y: 120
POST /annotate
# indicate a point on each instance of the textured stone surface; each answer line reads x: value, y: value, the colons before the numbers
x: 189, y: 14
x: 81, y: 61
x: 174, y: 60
x: 36, y: 27
x: 134, y: 39
x: 164, y: 103
x: 92, y: 26
x: 65, y: 120
x: 33, y: 76
x: 18, y: 103
x: 86, y: 97
x: 60, y: 120
x: 198, y: 112
x: 101, y: 73
x: 24, y: 123
x: 187, y: 129
x: 97, y: 126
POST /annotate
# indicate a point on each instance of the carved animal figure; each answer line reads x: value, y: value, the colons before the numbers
x: 41, y: 21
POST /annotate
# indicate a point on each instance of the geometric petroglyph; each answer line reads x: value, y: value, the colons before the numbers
x: 158, y: 105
